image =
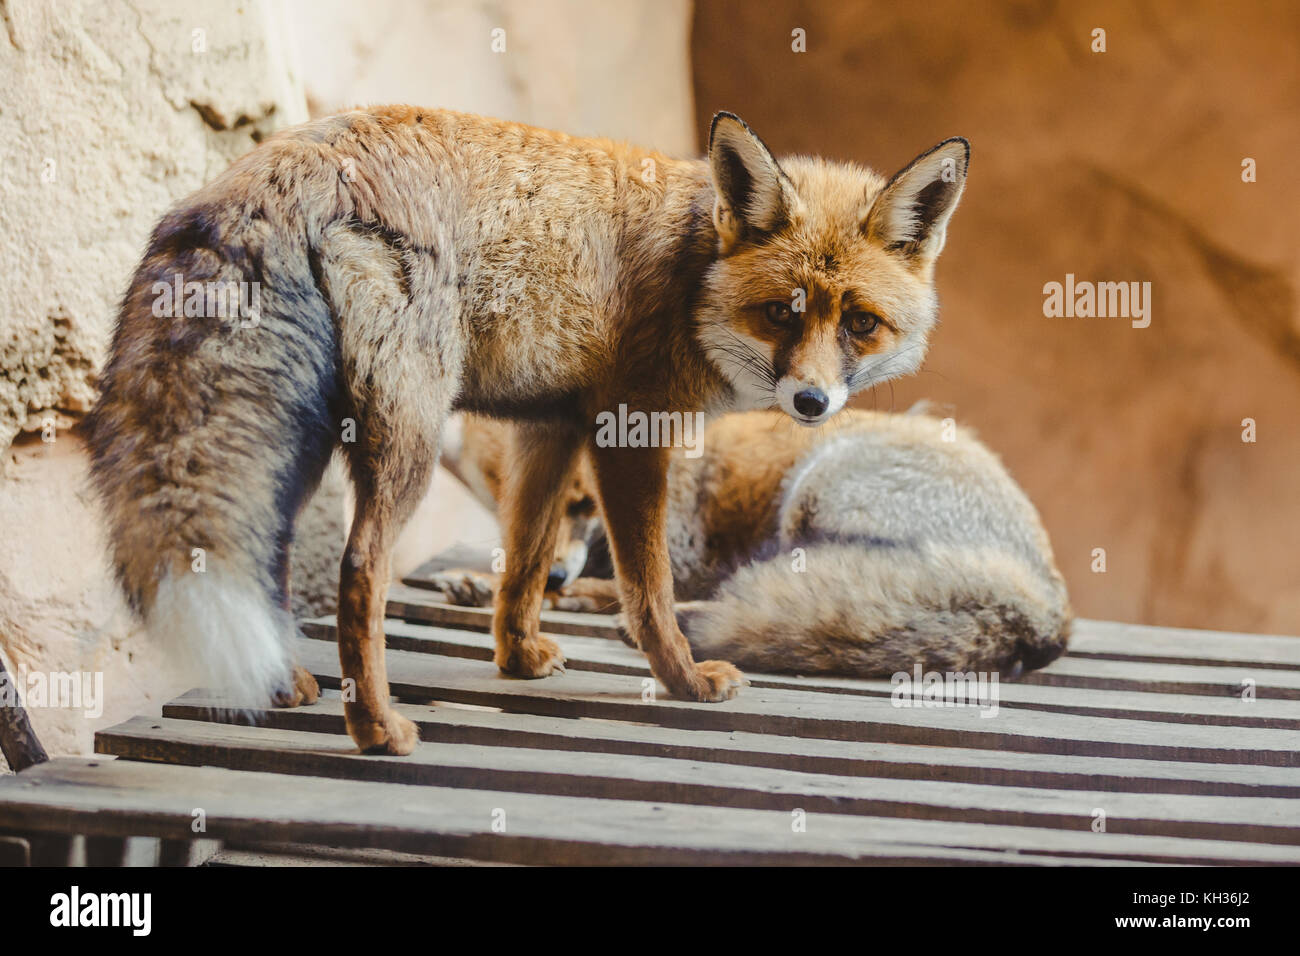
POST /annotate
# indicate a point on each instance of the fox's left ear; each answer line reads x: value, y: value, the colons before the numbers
x: 754, y: 195
x: 911, y: 213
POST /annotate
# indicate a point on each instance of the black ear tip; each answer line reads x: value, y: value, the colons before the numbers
x: 965, y: 144
x: 718, y: 117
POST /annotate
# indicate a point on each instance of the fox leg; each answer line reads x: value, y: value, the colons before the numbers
x: 595, y: 595
x: 363, y: 589
x: 633, y: 487
x: 401, y: 355
x: 391, y: 465
x: 542, y: 459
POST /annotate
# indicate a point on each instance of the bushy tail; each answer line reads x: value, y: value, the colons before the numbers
x: 210, y: 433
x: 862, y: 611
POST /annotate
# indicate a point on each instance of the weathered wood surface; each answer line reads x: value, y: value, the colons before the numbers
x: 1150, y: 728
x: 472, y: 725
x: 813, y: 714
x: 106, y: 798
x: 1102, y: 654
x: 594, y: 654
x: 426, y: 606
x: 418, y: 599
x: 622, y: 777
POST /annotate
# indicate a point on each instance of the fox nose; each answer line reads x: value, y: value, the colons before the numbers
x: 555, y: 580
x: 811, y: 402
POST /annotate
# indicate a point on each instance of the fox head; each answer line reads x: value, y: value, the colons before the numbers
x: 824, y: 283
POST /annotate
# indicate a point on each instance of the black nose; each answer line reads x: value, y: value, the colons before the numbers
x: 811, y: 402
x: 555, y: 580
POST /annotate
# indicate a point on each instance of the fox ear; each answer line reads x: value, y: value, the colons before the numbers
x: 754, y: 194
x: 911, y: 213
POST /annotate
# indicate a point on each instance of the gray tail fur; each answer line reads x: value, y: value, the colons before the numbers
x: 210, y: 433
x: 859, y: 611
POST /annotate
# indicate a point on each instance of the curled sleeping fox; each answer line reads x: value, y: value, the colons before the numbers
x: 861, y: 549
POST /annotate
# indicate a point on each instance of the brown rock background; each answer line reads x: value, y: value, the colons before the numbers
x: 1117, y: 166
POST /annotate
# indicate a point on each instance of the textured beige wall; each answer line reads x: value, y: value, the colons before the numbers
x: 109, y: 112
x: 588, y: 67
x: 1115, y: 166
x: 108, y: 116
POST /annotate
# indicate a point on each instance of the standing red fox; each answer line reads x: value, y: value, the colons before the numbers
x: 409, y: 262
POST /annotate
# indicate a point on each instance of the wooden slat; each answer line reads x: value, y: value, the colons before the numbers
x: 418, y: 600
x: 124, y: 797
x: 115, y: 851
x: 416, y: 676
x: 602, y: 656
x: 1167, y: 678
x: 298, y: 854
x: 455, y: 724
x: 425, y: 606
x: 15, y: 851
x: 1153, y: 663
x: 186, y: 853
x: 55, y: 849
x: 1140, y: 642
x: 621, y: 777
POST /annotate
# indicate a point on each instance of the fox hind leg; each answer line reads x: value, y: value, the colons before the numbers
x: 391, y: 465
x: 402, y: 351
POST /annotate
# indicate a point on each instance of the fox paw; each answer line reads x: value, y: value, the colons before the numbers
x: 464, y: 588
x: 582, y: 603
x: 391, y: 734
x: 715, y: 681
x: 301, y: 691
x: 532, y: 657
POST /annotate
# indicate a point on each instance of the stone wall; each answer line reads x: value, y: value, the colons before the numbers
x: 109, y: 112
x: 1113, y: 166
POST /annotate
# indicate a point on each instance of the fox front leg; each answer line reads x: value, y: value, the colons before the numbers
x: 633, y: 485
x: 543, y: 460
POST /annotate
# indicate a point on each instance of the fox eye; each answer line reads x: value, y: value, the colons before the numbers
x: 862, y: 323
x: 778, y: 312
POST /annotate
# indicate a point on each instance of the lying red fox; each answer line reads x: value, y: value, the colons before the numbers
x: 861, y: 549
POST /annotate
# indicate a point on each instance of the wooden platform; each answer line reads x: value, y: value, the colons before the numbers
x: 1146, y: 728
